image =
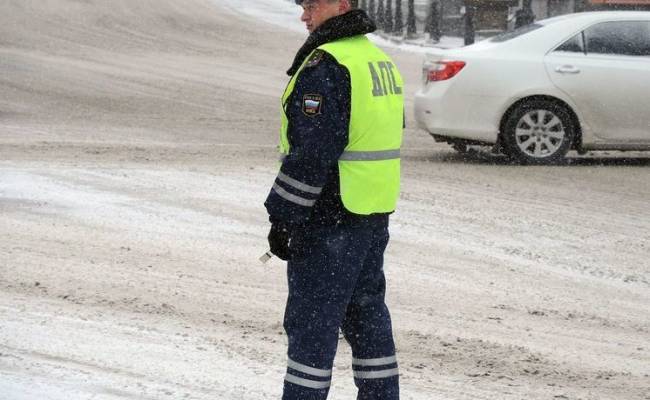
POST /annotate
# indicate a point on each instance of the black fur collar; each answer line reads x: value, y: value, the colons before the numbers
x: 352, y: 23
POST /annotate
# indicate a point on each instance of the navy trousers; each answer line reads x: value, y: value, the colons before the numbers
x: 336, y: 281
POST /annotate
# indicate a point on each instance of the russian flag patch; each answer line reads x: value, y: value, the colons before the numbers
x: 311, y: 104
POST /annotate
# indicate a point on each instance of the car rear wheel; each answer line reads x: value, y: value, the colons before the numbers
x: 538, y: 132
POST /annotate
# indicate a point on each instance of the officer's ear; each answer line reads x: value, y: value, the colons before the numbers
x: 347, y: 5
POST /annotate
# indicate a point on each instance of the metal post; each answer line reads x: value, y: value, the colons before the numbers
x: 411, y: 29
x: 469, y: 24
x: 380, y: 15
x: 399, y: 19
x: 388, y: 17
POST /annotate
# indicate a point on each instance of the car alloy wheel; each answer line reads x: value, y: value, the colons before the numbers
x: 538, y: 132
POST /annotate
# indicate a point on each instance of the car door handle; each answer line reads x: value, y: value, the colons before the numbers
x: 567, y: 69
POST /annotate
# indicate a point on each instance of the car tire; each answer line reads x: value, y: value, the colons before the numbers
x: 538, y: 132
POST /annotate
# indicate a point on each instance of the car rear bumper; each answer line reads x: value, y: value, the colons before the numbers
x: 439, y: 111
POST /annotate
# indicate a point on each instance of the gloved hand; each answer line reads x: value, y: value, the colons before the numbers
x: 279, y: 236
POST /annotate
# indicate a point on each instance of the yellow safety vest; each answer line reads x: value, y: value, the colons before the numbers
x: 369, y: 168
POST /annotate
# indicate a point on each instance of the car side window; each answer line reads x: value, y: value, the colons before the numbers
x: 573, y: 45
x: 629, y: 38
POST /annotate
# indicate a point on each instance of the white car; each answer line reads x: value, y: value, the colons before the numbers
x: 578, y: 81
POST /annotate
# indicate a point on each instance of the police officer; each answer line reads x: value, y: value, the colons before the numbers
x: 342, y: 121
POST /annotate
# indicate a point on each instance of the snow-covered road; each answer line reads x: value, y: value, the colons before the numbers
x: 137, y: 144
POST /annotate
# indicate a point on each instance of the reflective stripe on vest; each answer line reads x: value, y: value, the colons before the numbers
x: 370, y: 155
x: 369, y: 168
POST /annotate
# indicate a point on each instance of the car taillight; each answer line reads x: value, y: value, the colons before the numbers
x: 443, y: 70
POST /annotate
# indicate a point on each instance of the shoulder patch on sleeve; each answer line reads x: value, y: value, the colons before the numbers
x: 315, y: 58
x: 312, y: 104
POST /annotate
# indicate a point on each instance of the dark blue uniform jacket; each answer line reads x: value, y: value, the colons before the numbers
x: 316, y: 143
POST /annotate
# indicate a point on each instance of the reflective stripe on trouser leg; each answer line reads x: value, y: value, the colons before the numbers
x: 308, y: 383
x: 376, y: 378
x: 306, y: 376
x: 373, y: 362
x: 375, y: 368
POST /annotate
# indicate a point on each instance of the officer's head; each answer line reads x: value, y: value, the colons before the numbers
x: 315, y: 12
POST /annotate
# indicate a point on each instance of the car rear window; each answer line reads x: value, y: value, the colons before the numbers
x: 516, y: 33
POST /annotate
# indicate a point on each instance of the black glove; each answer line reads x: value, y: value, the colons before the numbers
x: 279, y: 236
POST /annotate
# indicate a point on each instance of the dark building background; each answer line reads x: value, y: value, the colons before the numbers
x: 488, y: 16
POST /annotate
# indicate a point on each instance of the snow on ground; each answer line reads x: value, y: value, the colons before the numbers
x: 137, y: 144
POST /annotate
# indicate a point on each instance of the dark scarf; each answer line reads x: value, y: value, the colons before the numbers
x: 352, y: 23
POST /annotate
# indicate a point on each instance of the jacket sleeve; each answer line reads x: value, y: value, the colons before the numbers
x: 319, y: 118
